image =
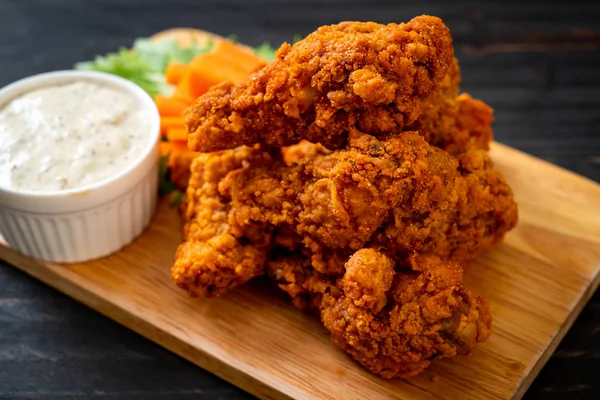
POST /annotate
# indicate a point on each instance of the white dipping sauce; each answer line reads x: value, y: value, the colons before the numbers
x: 68, y: 136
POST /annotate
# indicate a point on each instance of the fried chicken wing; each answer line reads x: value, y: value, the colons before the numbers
x: 455, y: 123
x: 392, y: 319
x: 394, y: 322
x: 212, y: 257
x: 405, y: 195
x: 354, y: 73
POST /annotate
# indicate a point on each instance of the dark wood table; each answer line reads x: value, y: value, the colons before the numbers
x: 536, y: 62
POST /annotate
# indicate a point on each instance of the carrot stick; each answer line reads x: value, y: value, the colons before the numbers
x: 190, y: 87
x: 242, y: 57
x: 183, y: 88
x: 201, y: 82
x: 179, y: 147
x: 174, y: 72
x: 177, y: 135
x: 167, y: 123
x: 184, y: 98
x: 216, y: 69
x: 173, y: 106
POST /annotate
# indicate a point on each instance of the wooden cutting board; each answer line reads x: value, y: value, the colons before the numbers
x: 537, y: 282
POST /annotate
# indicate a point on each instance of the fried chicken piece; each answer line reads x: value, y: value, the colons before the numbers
x: 395, y: 322
x: 355, y: 192
x: 179, y: 167
x: 213, y: 258
x: 294, y: 274
x: 402, y: 194
x: 399, y: 193
x: 484, y: 212
x: 232, y: 208
x: 474, y: 126
x: 487, y: 193
x: 302, y: 151
x: 352, y: 74
x: 455, y: 123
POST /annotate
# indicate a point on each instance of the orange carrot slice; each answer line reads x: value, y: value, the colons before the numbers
x: 185, y: 98
x: 238, y: 55
x: 171, y: 106
x: 177, y: 135
x: 183, y: 89
x: 201, y: 82
x: 174, y: 72
x: 167, y: 123
x: 177, y: 151
x: 215, y: 69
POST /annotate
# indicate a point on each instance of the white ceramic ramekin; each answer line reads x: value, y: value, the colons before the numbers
x: 88, y: 222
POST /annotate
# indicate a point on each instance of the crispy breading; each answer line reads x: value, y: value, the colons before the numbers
x: 368, y: 217
x: 395, y: 327
x: 212, y: 258
x: 393, y: 320
x: 398, y: 193
x: 455, y: 123
x: 352, y: 74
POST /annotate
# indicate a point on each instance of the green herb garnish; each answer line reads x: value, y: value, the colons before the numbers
x: 130, y: 66
x: 145, y: 64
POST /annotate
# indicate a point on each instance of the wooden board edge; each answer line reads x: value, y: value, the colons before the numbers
x: 496, y: 146
x: 558, y: 337
x: 120, y: 315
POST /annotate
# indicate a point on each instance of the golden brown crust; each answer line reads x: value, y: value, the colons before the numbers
x: 382, y: 199
x: 455, y: 123
x: 392, y: 320
x: 369, y: 225
x: 179, y: 168
x: 427, y: 314
x: 354, y: 73
x: 212, y: 258
x: 398, y: 193
x: 294, y: 275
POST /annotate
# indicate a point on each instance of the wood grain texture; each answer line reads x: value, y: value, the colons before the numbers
x: 537, y: 282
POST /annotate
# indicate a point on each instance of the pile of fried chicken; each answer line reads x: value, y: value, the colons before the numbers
x: 352, y: 172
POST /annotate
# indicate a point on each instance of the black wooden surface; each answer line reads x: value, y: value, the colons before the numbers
x: 536, y: 62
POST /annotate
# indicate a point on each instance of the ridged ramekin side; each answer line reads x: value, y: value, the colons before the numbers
x: 86, y: 234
